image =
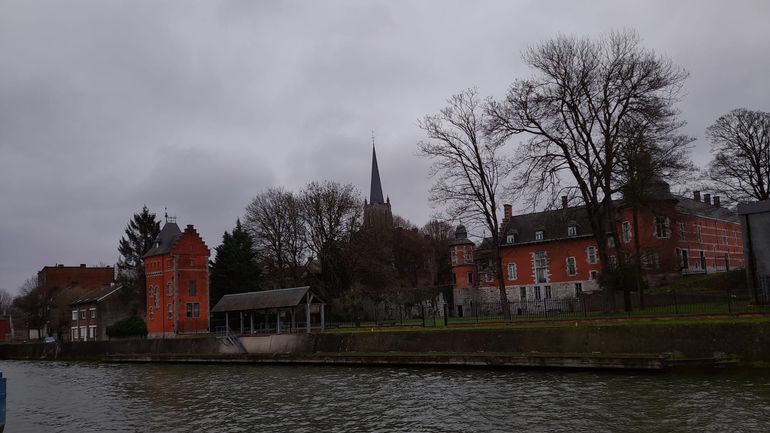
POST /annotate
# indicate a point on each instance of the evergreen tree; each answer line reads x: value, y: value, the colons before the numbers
x: 234, y: 268
x: 141, y: 231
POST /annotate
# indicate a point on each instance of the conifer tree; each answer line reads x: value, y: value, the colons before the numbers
x: 141, y: 231
x: 234, y: 268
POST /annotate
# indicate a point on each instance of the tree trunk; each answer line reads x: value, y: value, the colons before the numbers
x: 637, y: 252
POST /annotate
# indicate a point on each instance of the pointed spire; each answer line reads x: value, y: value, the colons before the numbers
x: 375, y: 196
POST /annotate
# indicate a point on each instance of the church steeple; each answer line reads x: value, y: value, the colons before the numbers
x: 375, y: 196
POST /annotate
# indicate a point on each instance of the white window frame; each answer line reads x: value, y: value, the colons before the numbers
x: 591, y: 256
x: 74, y: 331
x: 512, y: 272
x: 682, y: 232
x: 538, y: 294
x: 453, y: 255
x: 662, y: 227
x: 547, y: 292
x: 626, y: 229
x: 170, y: 311
x: 75, y: 315
x: 93, y: 312
x: 571, y: 261
x: 522, y: 293
x: 82, y: 314
x: 578, y: 289
x: 572, y: 231
x: 539, y: 235
x: 91, y: 332
x: 541, y: 264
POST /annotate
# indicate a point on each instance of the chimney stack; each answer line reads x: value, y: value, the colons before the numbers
x: 507, y: 212
x: 716, y: 201
x: 696, y: 195
x: 564, y: 202
x: 707, y: 198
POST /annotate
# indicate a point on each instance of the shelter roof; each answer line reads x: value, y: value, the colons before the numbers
x: 267, y: 299
x: 96, y: 295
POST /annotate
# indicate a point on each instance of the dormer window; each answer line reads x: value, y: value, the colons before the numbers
x: 509, y: 239
x: 539, y: 235
x: 571, y: 230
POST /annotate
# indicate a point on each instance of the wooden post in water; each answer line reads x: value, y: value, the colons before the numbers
x: 277, y: 321
x: 227, y: 323
x: 251, y: 322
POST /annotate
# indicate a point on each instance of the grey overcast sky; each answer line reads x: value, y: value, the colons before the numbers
x: 106, y: 106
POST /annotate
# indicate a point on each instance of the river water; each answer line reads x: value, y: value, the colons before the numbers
x: 84, y: 397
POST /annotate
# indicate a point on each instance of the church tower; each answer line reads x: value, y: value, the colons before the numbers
x: 377, y: 213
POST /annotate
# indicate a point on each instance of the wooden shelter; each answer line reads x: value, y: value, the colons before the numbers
x: 269, y: 303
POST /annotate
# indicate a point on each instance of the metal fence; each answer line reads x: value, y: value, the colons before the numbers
x: 600, y: 305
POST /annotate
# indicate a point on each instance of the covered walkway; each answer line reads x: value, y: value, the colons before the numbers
x: 273, y: 311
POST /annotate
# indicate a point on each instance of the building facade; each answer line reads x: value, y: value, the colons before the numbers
x: 93, y: 312
x: 176, y: 269
x: 554, y: 254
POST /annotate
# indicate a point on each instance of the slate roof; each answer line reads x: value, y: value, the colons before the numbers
x: 690, y: 206
x: 268, y: 299
x: 165, y: 240
x: 96, y: 295
x: 375, y: 195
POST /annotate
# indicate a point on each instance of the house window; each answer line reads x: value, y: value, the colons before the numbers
x: 509, y: 239
x: 571, y: 230
x: 454, y: 278
x: 547, y: 292
x: 157, y: 297
x: 541, y: 267
x: 613, y: 261
x: 149, y: 291
x: 193, y: 310
x: 82, y: 314
x: 170, y: 311
x: 591, y: 252
x: 571, y: 266
x: 91, y: 331
x: 468, y: 256
x: 470, y: 277
x: 682, y: 234
x: 169, y: 289
x: 702, y: 260
x: 74, y: 333
x: 454, y: 257
x: 593, y: 275
x: 724, y: 236
x: 662, y: 230
x: 152, y: 313
x: 523, y: 293
x: 93, y: 313
x: 698, y: 234
x: 192, y: 288
x: 650, y: 260
x: 192, y: 261
x: 539, y: 235
x: 578, y: 289
x: 488, y: 277
x: 512, y: 274
x: 610, y: 242
x: 626, y: 231
x: 684, y: 258
x: 537, y: 293
x: 74, y: 314
x: 83, y: 335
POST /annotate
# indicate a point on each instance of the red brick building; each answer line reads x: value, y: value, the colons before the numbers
x: 554, y: 255
x: 176, y: 269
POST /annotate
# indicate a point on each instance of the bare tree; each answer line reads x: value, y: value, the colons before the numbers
x: 468, y: 166
x: 741, y: 147
x: 274, y: 220
x: 6, y: 300
x: 578, y: 115
x: 332, y: 214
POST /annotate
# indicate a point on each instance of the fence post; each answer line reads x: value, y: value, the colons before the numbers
x: 446, y: 315
x: 422, y: 314
x: 729, y: 302
x: 583, y: 299
x: 676, y: 305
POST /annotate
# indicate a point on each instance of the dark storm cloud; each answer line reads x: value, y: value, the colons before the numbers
x: 198, y: 106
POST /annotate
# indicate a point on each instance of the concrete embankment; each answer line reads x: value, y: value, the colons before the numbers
x: 613, y: 346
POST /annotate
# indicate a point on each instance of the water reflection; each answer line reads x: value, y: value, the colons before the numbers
x: 81, y: 397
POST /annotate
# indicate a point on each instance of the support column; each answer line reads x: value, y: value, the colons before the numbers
x: 323, y: 307
x: 307, y: 317
x: 293, y: 320
x: 251, y: 322
x: 227, y: 323
x: 277, y: 321
x: 241, y: 321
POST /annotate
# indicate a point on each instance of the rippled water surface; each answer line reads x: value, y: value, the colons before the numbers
x: 81, y: 397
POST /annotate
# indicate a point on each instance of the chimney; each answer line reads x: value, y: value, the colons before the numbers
x: 696, y: 195
x: 507, y: 212
x: 716, y: 201
x: 82, y: 265
x: 189, y: 226
x: 564, y: 202
x: 707, y: 198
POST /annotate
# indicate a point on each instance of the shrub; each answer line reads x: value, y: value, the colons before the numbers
x: 134, y: 326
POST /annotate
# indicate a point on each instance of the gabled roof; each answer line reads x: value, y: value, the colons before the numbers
x: 554, y: 224
x: 97, y: 295
x: 268, y: 299
x: 165, y: 240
